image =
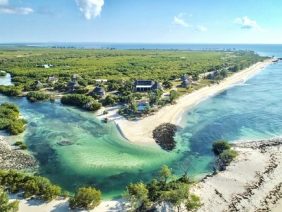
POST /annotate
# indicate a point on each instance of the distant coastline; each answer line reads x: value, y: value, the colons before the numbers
x: 139, y: 46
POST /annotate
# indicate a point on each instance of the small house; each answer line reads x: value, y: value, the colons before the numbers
x: 75, y: 77
x: 73, y: 85
x: 45, y: 66
x: 52, y: 80
x: 186, y: 81
x: 38, y: 85
x: 146, y: 85
x: 101, y: 80
x: 99, y: 91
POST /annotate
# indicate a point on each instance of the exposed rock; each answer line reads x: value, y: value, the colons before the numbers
x: 15, y: 159
x: 164, y: 136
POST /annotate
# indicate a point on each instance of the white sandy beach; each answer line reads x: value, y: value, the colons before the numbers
x: 252, y: 182
x: 217, y: 192
x: 141, y: 131
x: 62, y: 206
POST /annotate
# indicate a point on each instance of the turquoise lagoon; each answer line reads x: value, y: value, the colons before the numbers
x: 100, y: 157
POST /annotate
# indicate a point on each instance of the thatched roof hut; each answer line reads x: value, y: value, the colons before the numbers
x: 99, y: 91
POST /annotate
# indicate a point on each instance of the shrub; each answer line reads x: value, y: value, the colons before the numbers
x: 23, y: 147
x: 3, y: 73
x: 85, y: 198
x: 193, y: 203
x: 137, y: 195
x: 109, y: 100
x: 81, y: 101
x: 219, y: 146
x: 36, y: 186
x: 173, y: 96
x: 145, y: 197
x: 167, y: 84
x: 5, y: 205
x: 37, y: 96
x: 17, y: 127
x: 9, y: 119
x: 227, y: 156
x: 18, y: 143
x: 10, y: 90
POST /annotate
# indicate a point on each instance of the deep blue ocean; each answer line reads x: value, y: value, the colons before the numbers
x: 102, y: 158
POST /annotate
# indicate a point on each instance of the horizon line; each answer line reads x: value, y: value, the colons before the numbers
x: 151, y: 43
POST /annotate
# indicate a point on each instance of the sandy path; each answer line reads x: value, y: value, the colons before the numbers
x: 141, y: 131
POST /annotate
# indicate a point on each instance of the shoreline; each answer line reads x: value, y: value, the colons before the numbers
x: 251, y: 182
x: 140, y: 131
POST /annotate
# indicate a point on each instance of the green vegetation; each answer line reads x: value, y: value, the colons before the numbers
x: 3, y: 73
x: 5, y: 205
x: 219, y: 147
x: 21, y: 145
x: 109, y: 100
x: 173, y: 96
x: 35, y: 96
x: 10, y: 90
x: 31, y: 186
x: 10, y: 119
x: 41, y: 188
x: 85, y: 198
x: 117, y: 64
x: 81, y: 101
x: 79, y: 71
x: 145, y: 197
x: 225, y: 155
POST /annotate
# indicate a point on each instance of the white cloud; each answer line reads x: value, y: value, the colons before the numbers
x: 247, y: 23
x: 90, y: 8
x: 179, y: 20
x: 4, y: 2
x: 5, y: 8
x: 201, y: 28
x: 16, y: 10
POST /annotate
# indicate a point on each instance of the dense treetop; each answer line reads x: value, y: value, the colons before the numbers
x: 119, y: 64
x: 10, y: 120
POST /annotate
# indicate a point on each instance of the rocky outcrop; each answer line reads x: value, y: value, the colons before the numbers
x: 164, y: 136
x: 15, y: 159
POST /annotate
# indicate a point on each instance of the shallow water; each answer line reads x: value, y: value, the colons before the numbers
x: 99, y: 156
x: 245, y: 112
x: 6, y: 80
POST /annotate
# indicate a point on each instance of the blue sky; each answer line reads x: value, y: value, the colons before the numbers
x: 141, y: 21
